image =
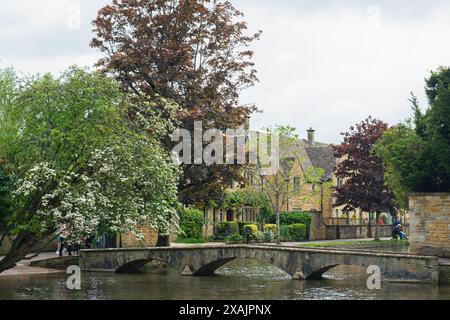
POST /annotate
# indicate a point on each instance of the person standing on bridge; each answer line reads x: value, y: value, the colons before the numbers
x: 248, y: 234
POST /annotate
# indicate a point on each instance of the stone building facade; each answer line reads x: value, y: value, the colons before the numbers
x: 317, y: 198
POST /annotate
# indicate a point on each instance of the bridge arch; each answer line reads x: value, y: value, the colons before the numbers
x: 299, y: 263
x: 318, y: 274
x: 210, y: 268
x: 135, y: 266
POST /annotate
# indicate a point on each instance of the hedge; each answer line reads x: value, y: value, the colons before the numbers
x: 191, y: 223
x: 243, y: 224
x: 270, y: 227
x: 224, y: 229
x: 234, y: 237
x: 284, y: 233
x: 289, y: 218
x: 297, y: 232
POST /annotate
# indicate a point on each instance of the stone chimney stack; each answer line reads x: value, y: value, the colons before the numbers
x: 311, y: 139
x: 247, y: 123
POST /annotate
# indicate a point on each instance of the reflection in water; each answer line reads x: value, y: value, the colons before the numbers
x: 240, y: 279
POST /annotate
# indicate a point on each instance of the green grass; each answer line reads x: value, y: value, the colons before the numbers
x: 356, y: 244
x: 190, y: 240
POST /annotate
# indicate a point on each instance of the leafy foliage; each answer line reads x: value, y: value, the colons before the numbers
x: 417, y: 152
x: 195, y: 53
x: 191, y: 223
x: 190, y: 240
x: 297, y: 232
x: 79, y: 161
x: 234, y: 237
x: 289, y: 218
x: 251, y: 229
x: 363, y: 171
x: 280, y: 185
x: 242, y: 225
x: 224, y: 229
x: 6, y: 187
x: 270, y: 227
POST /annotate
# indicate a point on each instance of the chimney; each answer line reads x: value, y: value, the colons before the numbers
x: 311, y: 132
x: 247, y: 123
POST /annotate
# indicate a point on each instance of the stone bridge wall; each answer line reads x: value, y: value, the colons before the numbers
x: 358, y: 232
x: 300, y: 263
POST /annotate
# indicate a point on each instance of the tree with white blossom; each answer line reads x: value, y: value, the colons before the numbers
x: 79, y: 158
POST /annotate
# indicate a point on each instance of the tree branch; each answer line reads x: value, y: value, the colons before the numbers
x: 41, y: 249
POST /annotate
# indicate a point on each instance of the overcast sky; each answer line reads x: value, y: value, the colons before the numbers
x: 322, y: 64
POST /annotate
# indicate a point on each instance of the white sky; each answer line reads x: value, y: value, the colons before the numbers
x: 322, y: 64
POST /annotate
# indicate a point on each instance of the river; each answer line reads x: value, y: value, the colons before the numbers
x: 238, y: 280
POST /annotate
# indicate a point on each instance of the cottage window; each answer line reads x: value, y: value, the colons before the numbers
x: 297, y: 184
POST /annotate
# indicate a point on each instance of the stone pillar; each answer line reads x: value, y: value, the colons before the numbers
x: 430, y: 223
x: 317, y: 230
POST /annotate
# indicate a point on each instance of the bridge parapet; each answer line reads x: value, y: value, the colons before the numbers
x: 300, y: 263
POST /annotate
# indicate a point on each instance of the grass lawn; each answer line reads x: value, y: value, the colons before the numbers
x: 357, y: 244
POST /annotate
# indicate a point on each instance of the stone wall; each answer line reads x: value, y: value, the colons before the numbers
x: 150, y: 238
x: 358, y: 232
x: 129, y: 240
x: 430, y: 223
x: 318, y: 229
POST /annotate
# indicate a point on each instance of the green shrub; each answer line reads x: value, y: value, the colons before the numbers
x: 297, y: 232
x: 242, y: 225
x: 268, y: 236
x: 224, y: 229
x: 234, y: 237
x: 190, y: 240
x: 259, y: 236
x: 271, y: 227
x: 191, y: 223
x: 252, y: 228
x: 284, y: 233
x: 289, y: 218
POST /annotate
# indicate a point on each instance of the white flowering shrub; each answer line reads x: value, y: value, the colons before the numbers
x: 80, y: 161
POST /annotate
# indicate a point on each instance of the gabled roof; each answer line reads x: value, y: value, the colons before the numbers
x: 322, y: 157
x: 318, y: 155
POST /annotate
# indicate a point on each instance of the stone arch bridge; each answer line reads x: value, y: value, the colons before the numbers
x: 300, y: 263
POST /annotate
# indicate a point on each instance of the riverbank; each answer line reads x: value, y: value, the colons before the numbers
x: 26, y: 268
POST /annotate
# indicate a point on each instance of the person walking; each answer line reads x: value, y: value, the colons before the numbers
x: 61, y: 241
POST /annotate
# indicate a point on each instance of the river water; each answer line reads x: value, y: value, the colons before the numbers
x: 238, y: 280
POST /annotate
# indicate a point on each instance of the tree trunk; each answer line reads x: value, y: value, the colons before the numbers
x: 163, y: 240
x: 277, y: 215
x: 21, y: 246
x: 377, y: 227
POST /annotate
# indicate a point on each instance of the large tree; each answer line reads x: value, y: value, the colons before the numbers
x: 362, y: 171
x: 77, y: 160
x: 194, y: 52
x: 417, y: 152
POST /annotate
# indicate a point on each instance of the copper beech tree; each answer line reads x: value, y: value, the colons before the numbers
x: 362, y: 172
x: 194, y: 52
